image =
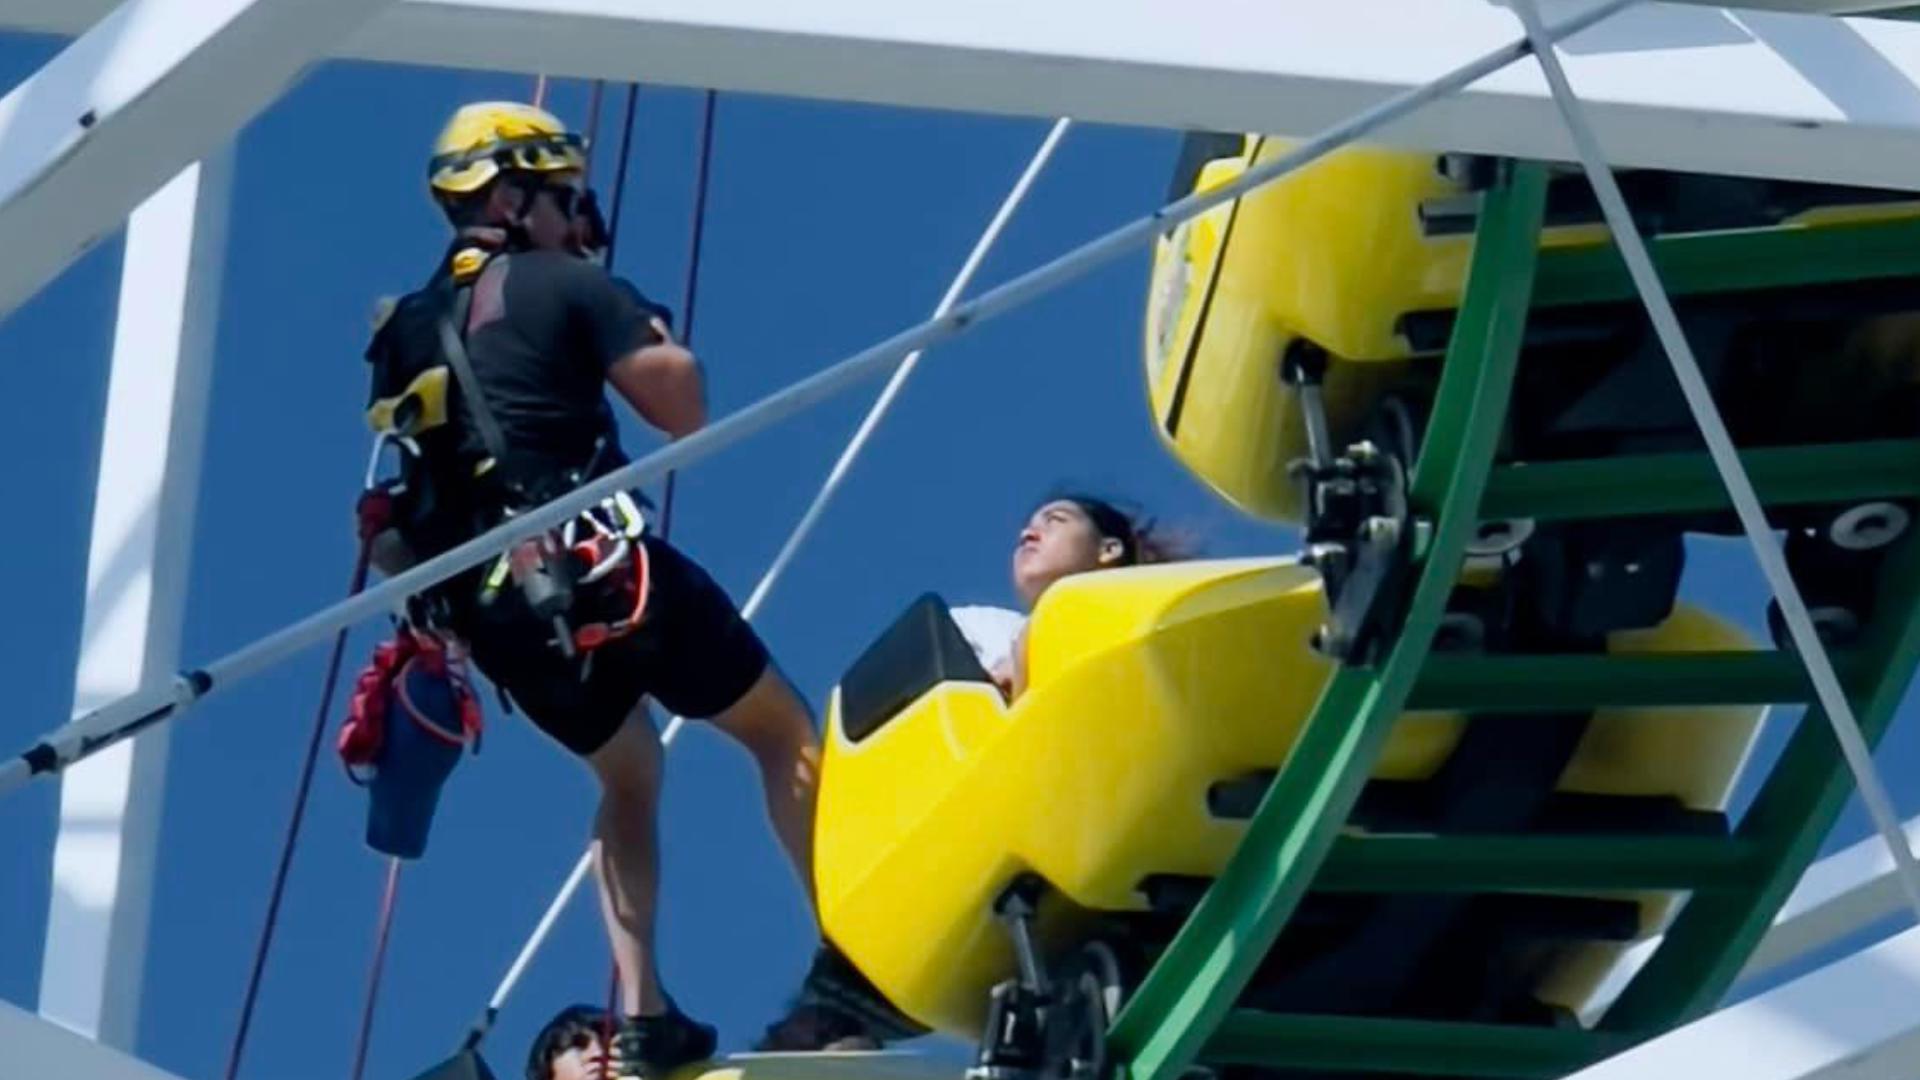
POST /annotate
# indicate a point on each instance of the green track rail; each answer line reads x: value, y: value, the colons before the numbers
x: 1185, y: 1010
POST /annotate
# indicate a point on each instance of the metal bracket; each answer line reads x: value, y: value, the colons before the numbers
x: 1358, y: 523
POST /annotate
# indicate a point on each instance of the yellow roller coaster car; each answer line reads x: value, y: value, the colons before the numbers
x: 1157, y: 695
x: 1361, y: 258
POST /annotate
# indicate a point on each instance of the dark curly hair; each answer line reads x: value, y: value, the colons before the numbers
x: 561, y: 1031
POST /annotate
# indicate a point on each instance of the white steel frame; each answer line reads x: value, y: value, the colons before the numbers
x: 36, y: 1050
x: 1789, y: 95
x: 137, y: 567
x: 1795, y: 96
x: 151, y: 88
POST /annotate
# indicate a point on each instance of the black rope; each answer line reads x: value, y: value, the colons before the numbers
x: 620, y: 172
x: 702, y: 165
x: 703, y: 162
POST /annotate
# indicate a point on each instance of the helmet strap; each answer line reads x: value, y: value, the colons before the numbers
x: 590, y: 234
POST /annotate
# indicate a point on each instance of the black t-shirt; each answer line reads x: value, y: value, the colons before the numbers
x: 543, y: 330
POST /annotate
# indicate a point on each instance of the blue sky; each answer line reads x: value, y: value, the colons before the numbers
x: 830, y: 226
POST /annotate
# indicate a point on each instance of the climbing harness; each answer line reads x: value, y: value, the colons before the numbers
x: 600, y: 548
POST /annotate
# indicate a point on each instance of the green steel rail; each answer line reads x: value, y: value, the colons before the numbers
x: 1181, y: 1002
x: 1185, y: 1009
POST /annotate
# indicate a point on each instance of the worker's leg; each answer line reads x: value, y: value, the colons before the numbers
x: 774, y: 725
x: 710, y: 665
x: 627, y: 857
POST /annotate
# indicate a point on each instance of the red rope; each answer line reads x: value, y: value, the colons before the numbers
x: 301, y: 791
x: 379, y: 964
x: 607, y: 1021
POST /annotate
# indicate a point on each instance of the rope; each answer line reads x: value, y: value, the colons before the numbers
x: 696, y: 240
x: 301, y: 791
x: 595, y: 96
x: 1726, y: 459
x: 606, y: 1020
x: 620, y: 171
x: 613, y: 235
x: 838, y: 474
x: 703, y: 160
x: 129, y: 715
x: 960, y: 282
x: 381, y: 937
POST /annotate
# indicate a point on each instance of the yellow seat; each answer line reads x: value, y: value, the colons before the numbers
x: 1148, y: 686
x: 1337, y: 256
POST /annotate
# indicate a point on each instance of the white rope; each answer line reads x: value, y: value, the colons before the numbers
x: 115, y: 721
x: 1806, y: 641
x: 542, y: 929
x: 978, y: 255
x: 885, y: 400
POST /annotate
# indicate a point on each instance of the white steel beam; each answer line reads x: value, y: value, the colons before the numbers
x: 156, y: 85
x: 137, y: 569
x: 37, y: 1050
x: 1676, y: 86
x: 1858, y: 1019
x: 1842, y: 893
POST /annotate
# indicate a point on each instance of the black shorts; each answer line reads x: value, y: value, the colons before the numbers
x: 692, y: 652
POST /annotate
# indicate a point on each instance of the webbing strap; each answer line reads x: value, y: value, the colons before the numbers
x: 453, y: 334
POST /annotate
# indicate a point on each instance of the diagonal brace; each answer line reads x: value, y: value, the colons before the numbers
x: 1686, y: 368
x: 156, y: 85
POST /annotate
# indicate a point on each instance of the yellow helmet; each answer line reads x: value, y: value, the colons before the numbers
x: 489, y: 137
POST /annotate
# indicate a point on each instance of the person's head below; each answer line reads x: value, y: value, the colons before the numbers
x: 1075, y: 533
x: 571, y: 1046
x: 505, y: 165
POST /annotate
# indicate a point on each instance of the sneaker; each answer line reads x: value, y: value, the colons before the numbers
x: 650, y: 1047
x: 837, y: 1009
x: 809, y: 1028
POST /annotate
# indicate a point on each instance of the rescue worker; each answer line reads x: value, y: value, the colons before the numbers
x: 533, y: 330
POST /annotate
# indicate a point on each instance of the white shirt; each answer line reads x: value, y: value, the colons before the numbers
x: 991, y: 631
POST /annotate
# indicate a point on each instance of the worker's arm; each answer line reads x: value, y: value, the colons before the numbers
x: 655, y: 375
x: 662, y: 382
